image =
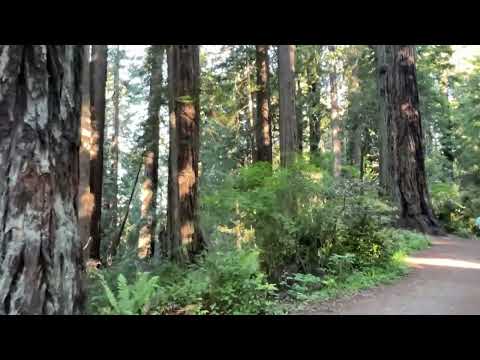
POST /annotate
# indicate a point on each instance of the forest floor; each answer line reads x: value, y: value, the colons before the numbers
x: 443, y: 280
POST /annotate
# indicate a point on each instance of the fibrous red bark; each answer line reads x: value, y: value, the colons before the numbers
x: 151, y: 138
x: 407, y: 142
x: 263, y: 127
x: 184, y: 80
x: 98, y: 81
x: 288, y: 122
x: 41, y: 259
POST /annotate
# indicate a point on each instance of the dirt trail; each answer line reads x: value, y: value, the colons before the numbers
x: 444, y: 280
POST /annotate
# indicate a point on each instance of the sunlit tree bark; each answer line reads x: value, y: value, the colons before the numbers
x: 151, y: 138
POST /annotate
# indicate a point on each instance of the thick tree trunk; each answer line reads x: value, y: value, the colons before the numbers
x: 85, y: 196
x: 98, y: 82
x: 288, y: 122
x: 408, y: 151
x: 336, y: 126
x: 151, y: 136
x: 115, y: 150
x: 185, y: 78
x: 41, y: 261
x: 264, y: 126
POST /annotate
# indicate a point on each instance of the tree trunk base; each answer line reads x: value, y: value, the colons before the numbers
x: 423, y: 224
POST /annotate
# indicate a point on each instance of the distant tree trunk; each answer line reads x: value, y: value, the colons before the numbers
x: 386, y: 173
x: 408, y: 154
x: 356, y: 143
x: 115, y: 149
x: 313, y: 118
x: 299, y: 116
x: 98, y: 80
x: 85, y: 196
x: 288, y: 122
x: 446, y: 139
x: 151, y: 137
x: 184, y: 223
x: 41, y: 260
x: 251, y: 117
x: 336, y: 126
x: 264, y: 126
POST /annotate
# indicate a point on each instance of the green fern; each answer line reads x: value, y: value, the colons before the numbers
x: 130, y: 299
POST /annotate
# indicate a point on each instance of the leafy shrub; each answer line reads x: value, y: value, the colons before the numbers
x: 225, y: 281
x: 300, y: 216
x: 449, y: 207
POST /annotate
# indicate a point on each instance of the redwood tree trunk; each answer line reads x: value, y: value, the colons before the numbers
x: 386, y: 173
x: 250, y: 121
x: 85, y: 196
x: 171, y: 242
x: 264, y: 126
x: 41, y: 259
x: 313, y: 118
x: 408, y: 154
x: 151, y: 136
x: 288, y: 122
x: 299, y: 115
x: 98, y: 82
x: 115, y: 150
x: 336, y: 128
x: 184, y: 220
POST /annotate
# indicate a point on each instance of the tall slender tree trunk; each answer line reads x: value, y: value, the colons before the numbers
x: 407, y: 134
x: 299, y: 116
x: 264, y: 126
x: 288, y: 122
x: 336, y: 126
x: 184, y: 77
x: 151, y: 136
x: 386, y: 174
x: 85, y: 196
x: 356, y: 143
x: 98, y: 82
x: 250, y: 119
x: 171, y: 242
x: 313, y: 118
x: 446, y: 139
x: 41, y: 260
x: 115, y: 149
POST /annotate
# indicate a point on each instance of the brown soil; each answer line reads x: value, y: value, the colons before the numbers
x: 444, y: 280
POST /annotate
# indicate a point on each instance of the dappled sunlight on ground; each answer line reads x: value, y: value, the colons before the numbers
x: 443, y: 262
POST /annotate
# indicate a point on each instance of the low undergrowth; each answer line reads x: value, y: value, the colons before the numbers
x: 301, y: 289
x: 276, y: 236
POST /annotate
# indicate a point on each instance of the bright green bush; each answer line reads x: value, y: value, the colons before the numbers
x: 225, y: 281
x: 300, y: 217
x: 454, y: 209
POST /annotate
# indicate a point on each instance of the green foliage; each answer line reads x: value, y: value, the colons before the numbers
x: 456, y: 209
x: 224, y: 281
x: 342, y: 278
x: 300, y: 216
x: 130, y: 299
